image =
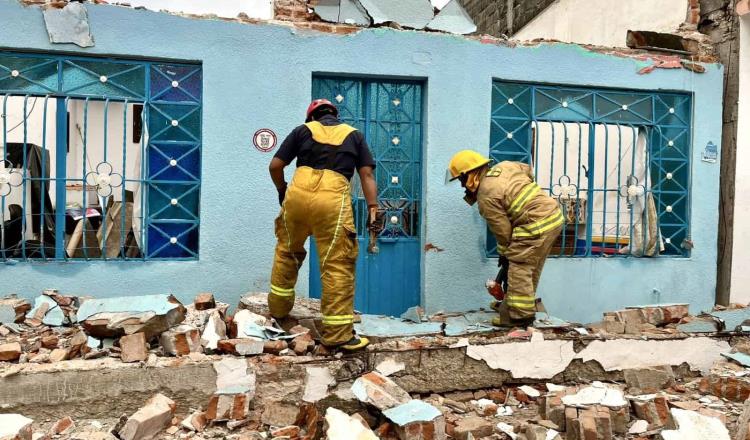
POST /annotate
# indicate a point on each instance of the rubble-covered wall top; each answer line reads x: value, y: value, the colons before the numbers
x: 259, y: 76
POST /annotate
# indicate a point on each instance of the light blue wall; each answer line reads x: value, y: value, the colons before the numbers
x: 259, y: 76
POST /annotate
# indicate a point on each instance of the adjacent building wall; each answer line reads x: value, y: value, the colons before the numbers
x: 603, y: 22
x: 259, y: 76
x: 740, y: 280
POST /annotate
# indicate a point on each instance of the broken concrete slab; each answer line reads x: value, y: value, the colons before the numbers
x: 48, y: 312
x: 413, y: 14
x: 150, y: 420
x: 69, y: 25
x: 113, y: 317
x: 472, y: 427
x: 13, y: 310
x: 342, y: 11
x: 379, y: 391
x: 389, y: 327
x: 15, y: 426
x: 343, y: 427
x: 694, y: 426
x: 453, y: 18
x: 317, y: 382
x: 250, y: 325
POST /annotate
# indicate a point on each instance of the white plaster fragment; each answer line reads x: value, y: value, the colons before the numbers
x: 463, y: 342
x: 14, y: 426
x: 550, y: 357
x: 639, y: 427
x: 317, y: 381
x: 694, y: 426
x: 552, y: 388
x: 529, y: 391
x: 234, y: 377
x: 596, y: 394
x: 507, y: 430
x: 390, y: 366
x: 621, y: 354
x: 343, y: 427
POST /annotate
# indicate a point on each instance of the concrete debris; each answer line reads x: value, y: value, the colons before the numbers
x: 529, y: 391
x: 654, y: 410
x: 15, y: 427
x: 69, y: 25
x: 649, y: 380
x: 250, y: 325
x: 694, y: 426
x: 741, y: 358
x: 150, y: 420
x: 233, y: 376
x: 13, y: 309
x: 633, y: 319
x: 473, y: 426
x: 344, y: 427
x: 454, y: 19
x: 379, y: 391
x: 412, y: 14
x: 114, y: 317
x: 507, y: 430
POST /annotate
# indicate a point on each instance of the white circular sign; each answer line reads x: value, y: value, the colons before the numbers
x: 264, y: 140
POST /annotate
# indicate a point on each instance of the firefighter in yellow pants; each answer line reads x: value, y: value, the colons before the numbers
x: 525, y: 222
x: 318, y: 203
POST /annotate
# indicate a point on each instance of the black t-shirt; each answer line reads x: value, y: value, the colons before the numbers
x: 343, y: 158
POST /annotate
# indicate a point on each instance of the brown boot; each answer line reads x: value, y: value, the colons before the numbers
x: 504, y: 320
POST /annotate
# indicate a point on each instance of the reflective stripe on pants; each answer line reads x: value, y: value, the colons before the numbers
x: 318, y: 204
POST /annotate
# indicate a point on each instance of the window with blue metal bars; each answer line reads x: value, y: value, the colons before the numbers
x: 617, y: 161
x: 100, y: 159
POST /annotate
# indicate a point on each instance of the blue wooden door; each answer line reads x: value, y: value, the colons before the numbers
x: 389, y: 113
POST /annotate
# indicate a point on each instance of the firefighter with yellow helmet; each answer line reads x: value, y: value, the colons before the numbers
x: 525, y: 222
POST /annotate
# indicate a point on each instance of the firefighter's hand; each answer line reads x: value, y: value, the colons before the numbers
x: 282, y: 194
x: 374, y: 225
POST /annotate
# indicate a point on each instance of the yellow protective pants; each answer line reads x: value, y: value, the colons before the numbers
x: 526, y: 257
x: 317, y: 203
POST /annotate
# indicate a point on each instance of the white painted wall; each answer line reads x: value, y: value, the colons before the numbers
x: 261, y: 9
x: 603, y: 22
x: 740, y: 289
x: 13, y: 128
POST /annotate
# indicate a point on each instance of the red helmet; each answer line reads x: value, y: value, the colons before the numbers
x: 319, y: 103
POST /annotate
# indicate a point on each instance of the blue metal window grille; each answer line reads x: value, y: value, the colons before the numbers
x: 100, y: 160
x: 617, y: 161
x: 384, y: 111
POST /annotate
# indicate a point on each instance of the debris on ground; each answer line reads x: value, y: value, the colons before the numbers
x: 699, y: 392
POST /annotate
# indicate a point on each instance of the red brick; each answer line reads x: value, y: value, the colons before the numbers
x: 133, y: 347
x: 289, y: 431
x: 204, y: 301
x: 274, y: 347
x: 62, y: 426
x: 10, y: 352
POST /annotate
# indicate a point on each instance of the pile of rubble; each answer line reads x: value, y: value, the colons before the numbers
x: 60, y: 327
x: 373, y: 395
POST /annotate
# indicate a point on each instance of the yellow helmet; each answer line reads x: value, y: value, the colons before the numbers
x: 465, y: 161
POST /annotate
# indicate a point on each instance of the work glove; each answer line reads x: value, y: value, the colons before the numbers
x: 282, y: 194
x: 374, y: 223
